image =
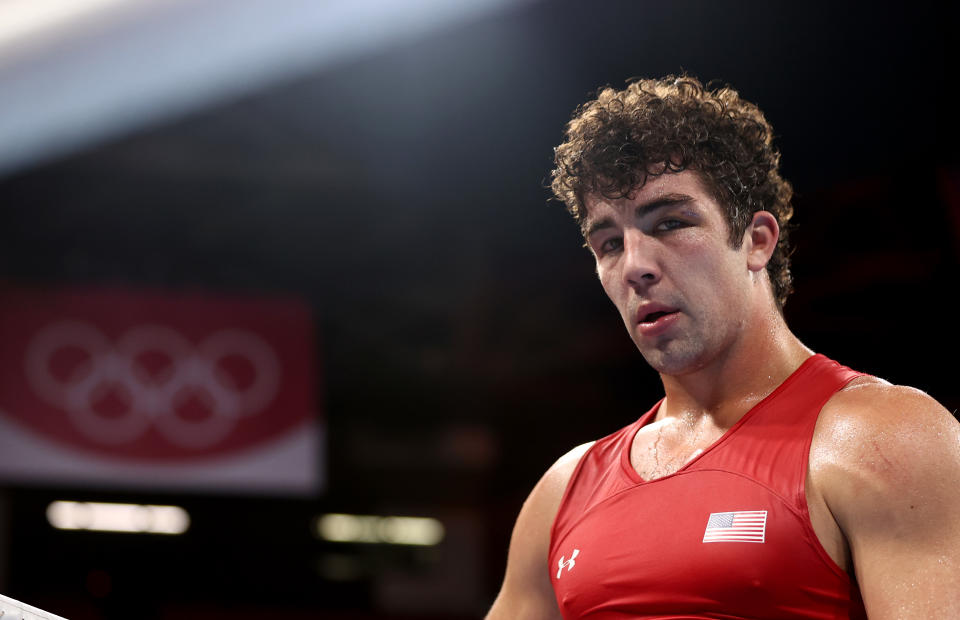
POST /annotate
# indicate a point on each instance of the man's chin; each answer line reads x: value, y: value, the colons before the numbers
x: 674, y: 360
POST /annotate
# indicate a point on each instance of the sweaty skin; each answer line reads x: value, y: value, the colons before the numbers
x: 881, y: 485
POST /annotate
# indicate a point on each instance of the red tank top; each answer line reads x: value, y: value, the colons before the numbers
x: 726, y: 536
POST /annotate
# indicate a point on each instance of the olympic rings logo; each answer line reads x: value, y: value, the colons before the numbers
x: 147, y: 397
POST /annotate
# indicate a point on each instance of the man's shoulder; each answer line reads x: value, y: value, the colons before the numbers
x: 870, y: 408
x: 526, y: 590
x: 875, y: 439
x: 554, y: 482
x: 606, y: 448
x: 885, y: 461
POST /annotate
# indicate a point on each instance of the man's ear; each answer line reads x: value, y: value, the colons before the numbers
x: 760, y: 239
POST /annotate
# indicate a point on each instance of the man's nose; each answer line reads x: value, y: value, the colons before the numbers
x: 640, y: 268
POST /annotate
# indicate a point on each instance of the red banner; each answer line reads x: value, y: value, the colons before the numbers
x: 158, y: 382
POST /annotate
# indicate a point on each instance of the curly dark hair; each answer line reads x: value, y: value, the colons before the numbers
x: 617, y: 141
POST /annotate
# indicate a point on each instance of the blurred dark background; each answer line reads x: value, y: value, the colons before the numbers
x: 462, y: 341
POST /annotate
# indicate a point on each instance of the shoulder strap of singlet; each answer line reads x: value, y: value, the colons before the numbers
x: 596, y: 476
x: 771, y: 443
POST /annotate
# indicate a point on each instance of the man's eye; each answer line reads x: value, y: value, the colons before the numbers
x: 670, y: 225
x: 611, y: 245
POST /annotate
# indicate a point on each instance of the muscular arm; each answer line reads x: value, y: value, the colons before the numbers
x: 889, y: 475
x: 526, y: 593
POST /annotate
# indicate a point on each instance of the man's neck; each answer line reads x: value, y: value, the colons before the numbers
x: 732, y: 383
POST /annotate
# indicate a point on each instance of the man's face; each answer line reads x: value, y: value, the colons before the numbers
x: 664, y: 259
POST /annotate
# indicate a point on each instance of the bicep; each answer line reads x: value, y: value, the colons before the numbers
x: 897, y: 502
x: 527, y: 592
x: 906, y: 558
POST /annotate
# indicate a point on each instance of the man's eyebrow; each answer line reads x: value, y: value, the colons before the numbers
x: 665, y: 200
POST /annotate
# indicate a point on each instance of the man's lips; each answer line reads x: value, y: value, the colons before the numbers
x: 654, y: 320
x: 654, y: 316
x: 651, y: 314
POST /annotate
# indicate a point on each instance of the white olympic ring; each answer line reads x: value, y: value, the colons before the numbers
x: 110, y: 369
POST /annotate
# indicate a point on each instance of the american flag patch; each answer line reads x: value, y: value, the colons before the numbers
x: 739, y: 526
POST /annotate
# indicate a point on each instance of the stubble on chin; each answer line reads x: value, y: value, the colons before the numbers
x: 673, y: 357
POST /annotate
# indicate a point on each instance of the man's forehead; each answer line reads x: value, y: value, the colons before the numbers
x: 597, y: 207
x: 685, y: 181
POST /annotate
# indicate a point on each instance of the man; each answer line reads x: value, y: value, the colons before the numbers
x: 769, y: 482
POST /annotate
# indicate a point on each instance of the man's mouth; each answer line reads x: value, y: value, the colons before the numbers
x: 653, y: 316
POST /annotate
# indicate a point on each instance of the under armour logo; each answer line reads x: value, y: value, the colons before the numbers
x: 568, y: 564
